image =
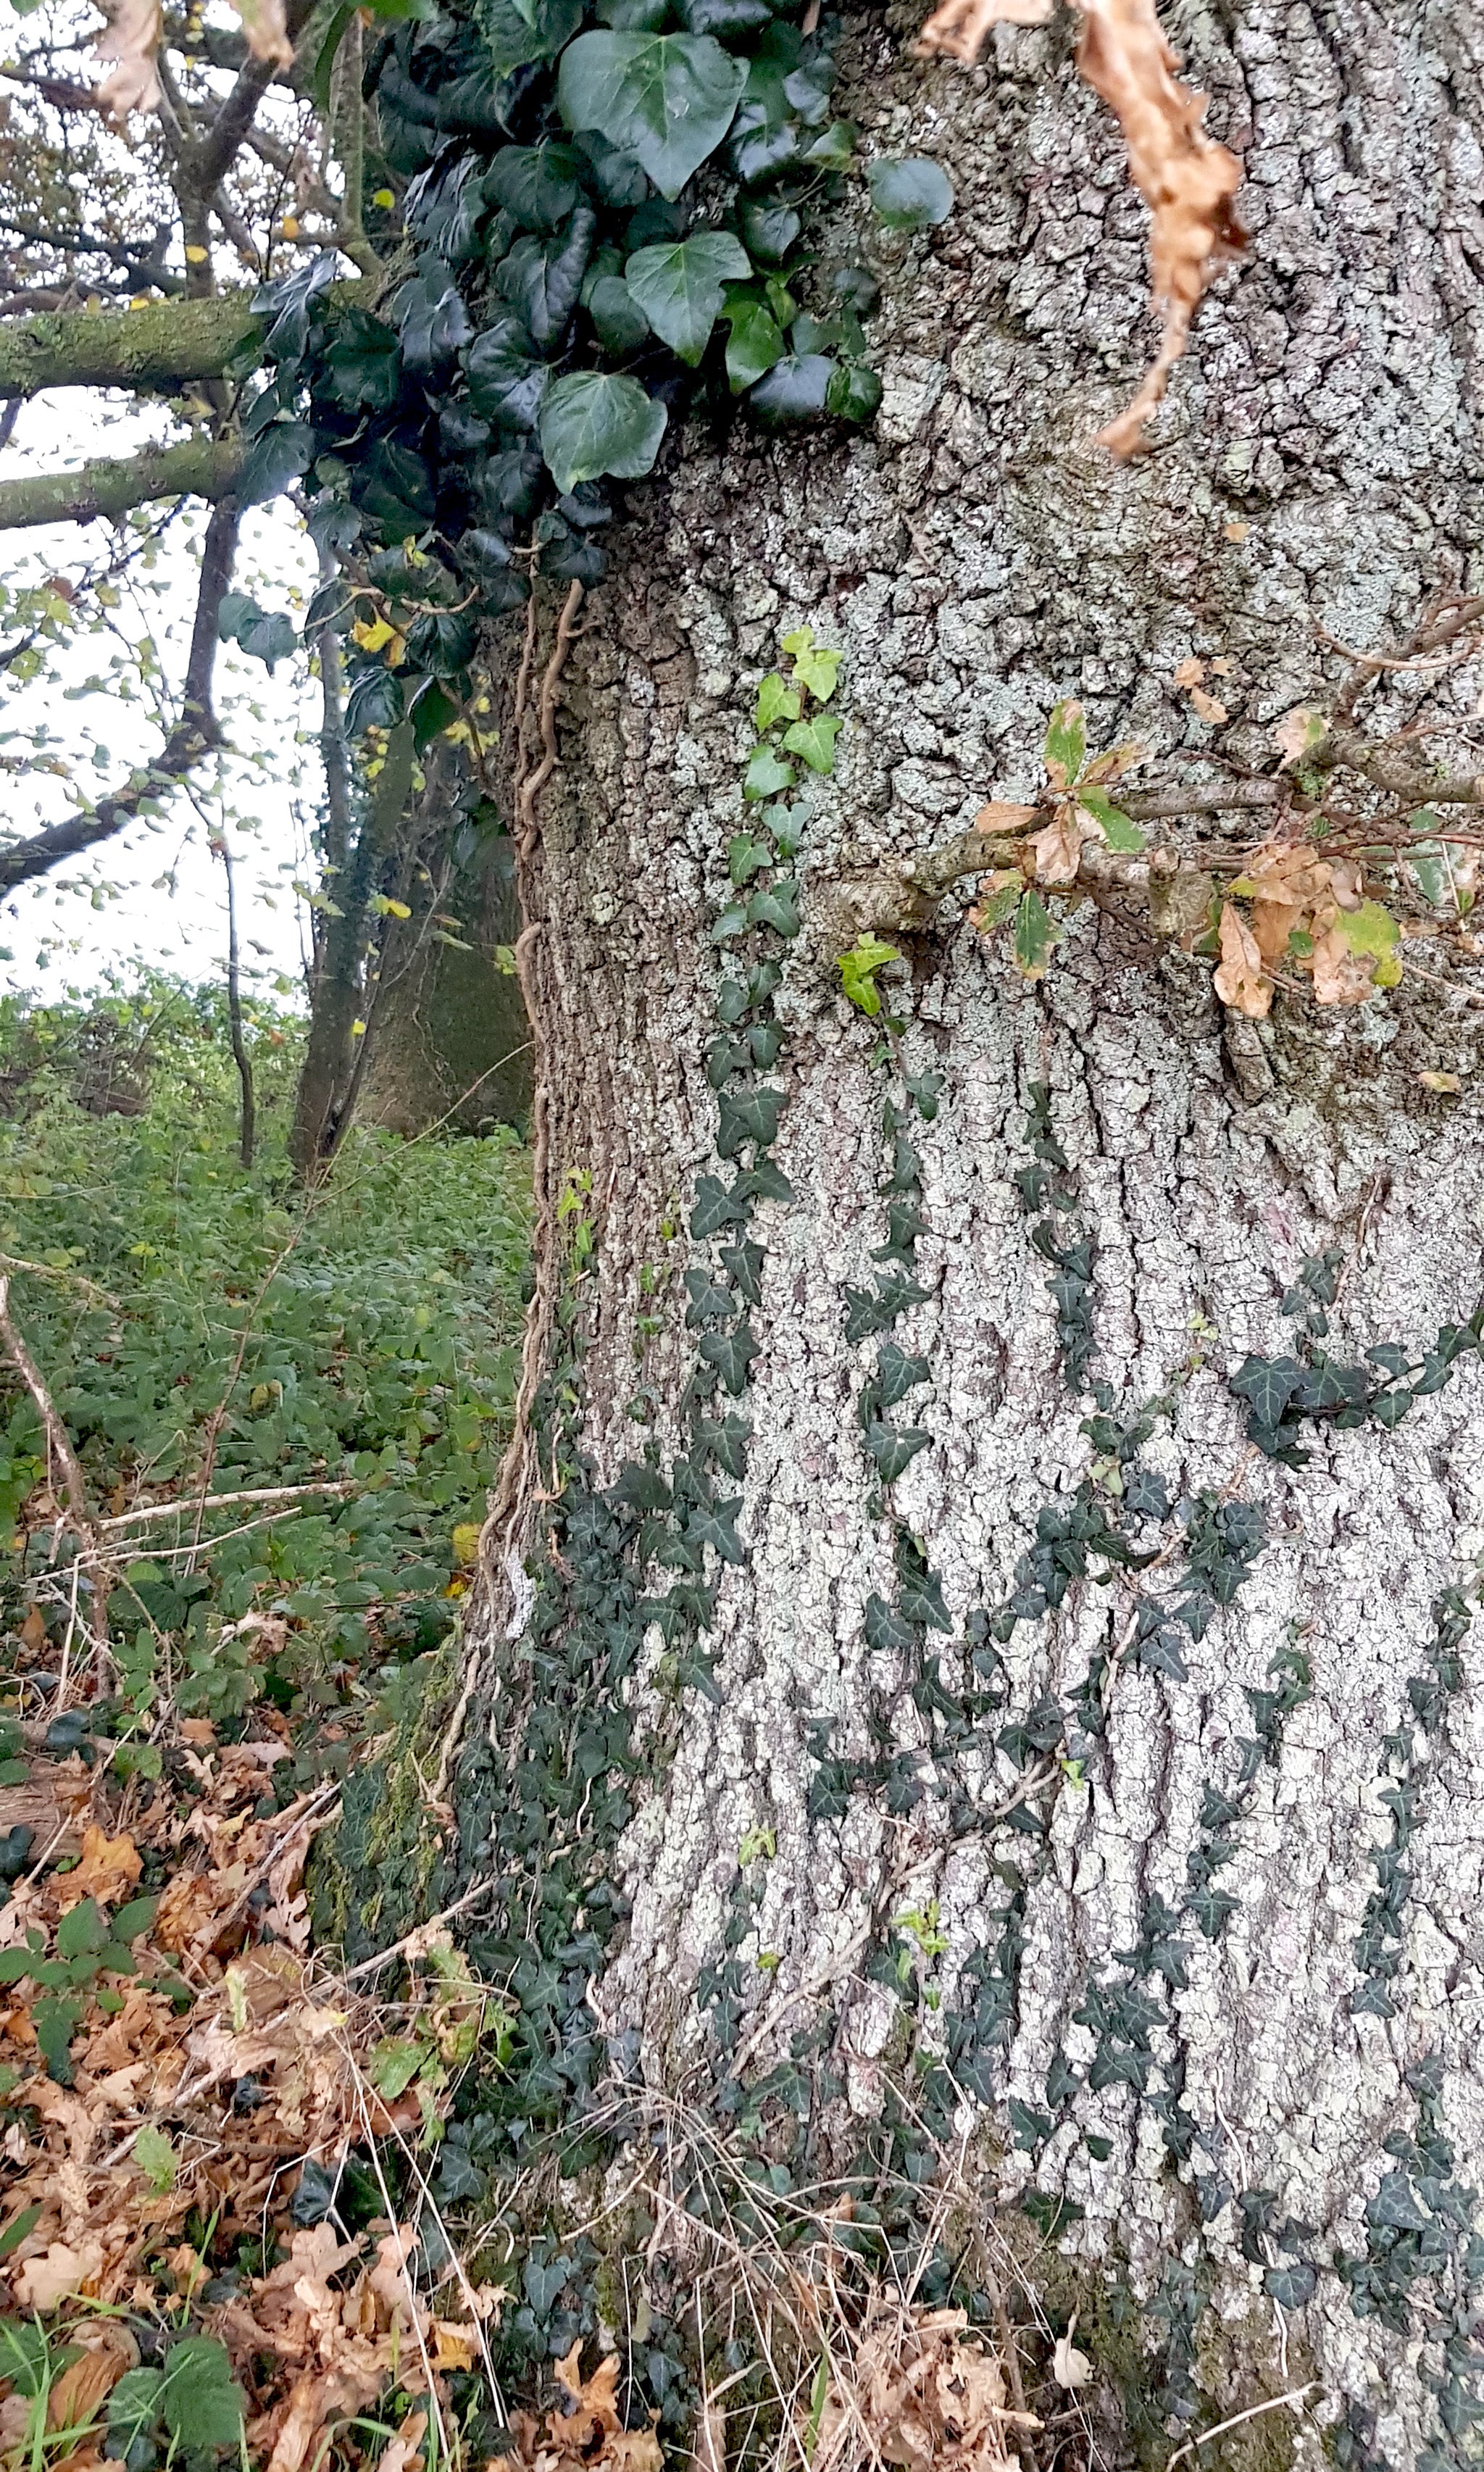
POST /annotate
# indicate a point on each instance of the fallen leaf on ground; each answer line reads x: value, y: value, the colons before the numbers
x: 109, y: 1865
x: 44, y: 2281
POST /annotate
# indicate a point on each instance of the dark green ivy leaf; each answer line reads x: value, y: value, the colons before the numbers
x: 730, y: 1352
x: 592, y: 424
x: 506, y: 381
x: 748, y: 1116
x: 667, y: 99
x: 538, y: 186
x: 894, y: 1448
x: 908, y: 196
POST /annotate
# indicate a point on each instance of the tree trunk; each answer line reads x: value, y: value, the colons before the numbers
x: 453, y: 1045
x: 745, y: 1822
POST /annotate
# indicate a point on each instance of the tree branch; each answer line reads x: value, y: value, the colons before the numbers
x: 157, y: 346
x: 197, y: 467
x: 193, y: 736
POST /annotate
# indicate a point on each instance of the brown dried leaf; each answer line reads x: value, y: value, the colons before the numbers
x: 1296, y: 733
x: 1441, y: 1081
x: 78, y: 2392
x: 109, y: 1866
x: 1003, y: 816
x: 1191, y: 671
x: 131, y: 42
x: 958, y: 27
x: 44, y: 2281
x: 1209, y: 707
x: 1272, y: 924
x: 1342, y: 976
x: 1058, y: 850
x: 1115, y: 763
x: 1185, y: 177
x: 401, y: 2450
x: 268, y: 35
x: 1238, y: 979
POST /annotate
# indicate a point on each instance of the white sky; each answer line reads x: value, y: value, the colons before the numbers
x: 156, y: 893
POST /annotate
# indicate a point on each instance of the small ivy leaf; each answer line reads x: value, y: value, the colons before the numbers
x: 834, y: 150
x: 733, y: 921
x: 716, y: 1206
x: 678, y: 287
x: 1391, y: 1407
x: 708, y: 1300
x: 667, y: 99
x: 776, y: 702
x: 730, y: 1351
x: 885, y: 1632
x: 818, y: 669
x: 1030, y: 2128
x: 1393, y: 2209
x: 777, y: 906
x: 857, y: 972
x: 765, y: 1041
x: 1159, y: 1655
x: 1065, y: 750
x: 1036, y: 932
x: 765, y: 1182
x: 591, y: 424
x: 767, y: 773
x: 754, y: 343
x: 910, y: 195
x: 924, y: 1089
x: 794, y: 390
x: 744, y: 855
x: 751, y: 1116
x: 726, y: 1439
x: 920, y: 1597
x: 853, y: 391
x: 898, y: 1373
x: 375, y: 702
x: 1267, y: 1384
x: 894, y: 1448
x: 744, y: 1265
x: 813, y: 740
x: 725, y: 1057
x: 640, y: 1489
x: 619, y: 324
x: 715, y: 1525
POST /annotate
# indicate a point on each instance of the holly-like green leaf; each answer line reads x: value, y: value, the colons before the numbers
x: 667, y: 99
x: 678, y: 287
x: 754, y: 343
x: 200, y: 2403
x: 1035, y: 933
x: 910, y: 195
x: 776, y: 702
x: 592, y: 424
x: 1066, y: 744
x: 813, y: 740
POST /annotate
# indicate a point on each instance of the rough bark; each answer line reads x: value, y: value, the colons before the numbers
x: 197, y: 467
x: 975, y: 559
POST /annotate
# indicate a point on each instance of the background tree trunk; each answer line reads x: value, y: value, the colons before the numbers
x: 453, y: 1044
x: 975, y: 559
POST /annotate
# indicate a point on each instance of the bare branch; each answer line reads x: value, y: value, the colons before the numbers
x: 197, y: 467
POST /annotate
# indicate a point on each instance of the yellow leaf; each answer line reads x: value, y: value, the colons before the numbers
x: 358, y: 1029
x: 1446, y: 1081
x: 290, y: 227
x: 383, y: 197
x: 466, y: 1541
x: 194, y: 255
x: 374, y: 633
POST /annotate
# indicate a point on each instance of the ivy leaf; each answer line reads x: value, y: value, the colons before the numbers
x: 752, y: 1116
x: 766, y: 774
x: 910, y: 195
x: 1267, y: 1384
x: 543, y: 273
x: 360, y: 369
x: 816, y: 668
x: 678, y: 287
x: 507, y: 381
x: 885, y: 1632
x: 1036, y: 932
x: 920, y: 1597
x: 535, y: 32
x: 769, y: 230
x: 795, y: 390
x: 730, y: 1351
x: 280, y: 454
x: 894, y: 1448
x: 813, y: 740
x: 621, y: 324
x: 857, y: 972
x: 667, y: 99
x: 265, y: 635
x: 898, y: 1373
x: 765, y: 1182
x: 538, y: 186
x: 592, y: 424
x: 745, y: 853
x: 726, y: 1440
x: 776, y: 702
x: 777, y: 906
x: 375, y: 702
x: 716, y: 1206
x: 853, y: 391
x: 1395, y: 2209
x: 708, y: 1302
x: 715, y: 1525
x: 754, y: 343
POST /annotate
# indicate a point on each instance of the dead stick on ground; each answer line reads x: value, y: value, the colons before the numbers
x: 58, y: 1449
x: 1295, y: 2394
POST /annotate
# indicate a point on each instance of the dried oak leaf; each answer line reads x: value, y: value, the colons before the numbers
x: 1342, y: 976
x: 1209, y: 707
x: 1058, y: 848
x: 268, y: 35
x: 1186, y: 181
x: 131, y: 41
x: 109, y: 1866
x: 1238, y: 979
x: 958, y: 27
x: 44, y: 2282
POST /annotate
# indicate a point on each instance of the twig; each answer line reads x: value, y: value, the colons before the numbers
x: 1295, y: 2394
x: 222, y: 1501
x: 400, y: 1947
x: 59, y: 1448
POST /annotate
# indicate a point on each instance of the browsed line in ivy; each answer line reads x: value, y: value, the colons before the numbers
x: 605, y: 226
x: 1360, y: 857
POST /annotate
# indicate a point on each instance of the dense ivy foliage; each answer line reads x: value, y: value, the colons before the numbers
x: 375, y: 1326
x: 606, y: 223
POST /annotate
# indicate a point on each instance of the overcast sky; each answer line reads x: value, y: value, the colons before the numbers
x: 156, y: 893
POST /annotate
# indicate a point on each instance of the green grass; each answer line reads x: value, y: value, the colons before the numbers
x: 381, y: 1321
